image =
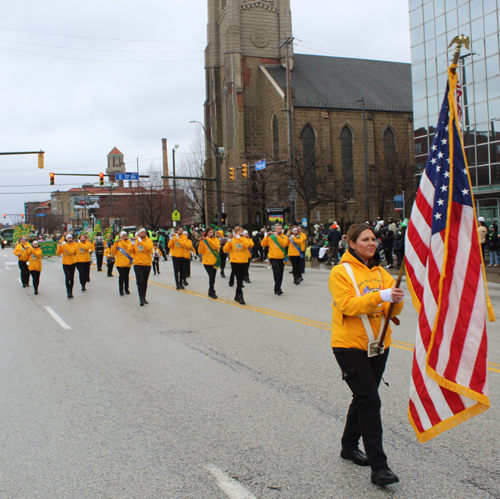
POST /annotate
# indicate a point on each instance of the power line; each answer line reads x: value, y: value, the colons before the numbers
x: 95, y: 38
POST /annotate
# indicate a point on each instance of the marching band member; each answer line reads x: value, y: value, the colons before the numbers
x: 67, y: 248
x: 83, y: 249
x: 22, y: 252
x: 237, y: 247
x: 296, y: 253
x: 278, y: 255
x: 157, y: 253
x: 209, y: 250
x: 110, y: 258
x: 35, y: 264
x: 141, y: 251
x: 122, y: 250
x: 177, y: 244
x: 362, y: 291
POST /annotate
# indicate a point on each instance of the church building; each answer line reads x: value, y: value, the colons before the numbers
x: 323, y: 161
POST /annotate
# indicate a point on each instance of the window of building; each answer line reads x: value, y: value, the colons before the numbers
x: 276, y: 139
x: 309, y: 164
x: 347, y: 163
x: 389, y: 151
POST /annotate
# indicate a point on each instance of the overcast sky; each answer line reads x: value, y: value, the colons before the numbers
x: 79, y: 78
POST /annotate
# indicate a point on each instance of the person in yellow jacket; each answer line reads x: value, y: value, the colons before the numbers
x: 296, y: 242
x: 122, y: 250
x: 110, y: 258
x: 157, y: 253
x: 67, y: 248
x: 237, y: 247
x: 209, y: 250
x: 362, y: 291
x: 23, y: 254
x: 278, y: 255
x: 35, y: 264
x: 83, y: 251
x: 141, y: 251
x: 177, y: 244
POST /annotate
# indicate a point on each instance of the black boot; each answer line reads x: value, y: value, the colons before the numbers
x: 127, y: 292
x: 185, y: 283
x: 384, y: 476
x: 237, y: 297
x: 241, y: 301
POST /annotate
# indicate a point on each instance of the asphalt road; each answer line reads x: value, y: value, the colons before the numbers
x: 190, y: 397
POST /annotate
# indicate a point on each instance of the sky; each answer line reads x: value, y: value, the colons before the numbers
x: 80, y: 78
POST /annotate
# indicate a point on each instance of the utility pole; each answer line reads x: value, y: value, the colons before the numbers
x: 173, y: 171
x: 289, y: 109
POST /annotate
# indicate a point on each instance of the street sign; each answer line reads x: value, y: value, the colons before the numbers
x: 127, y: 176
x: 176, y: 216
x: 398, y: 202
x: 260, y: 165
x: 41, y: 214
x: 304, y: 222
x: 155, y: 176
x: 111, y: 221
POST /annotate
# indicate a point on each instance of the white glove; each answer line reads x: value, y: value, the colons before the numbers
x: 237, y: 237
x: 139, y: 239
x: 230, y: 239
x: 63, y: 243
x: 171, y: 236
x: 386, y: 295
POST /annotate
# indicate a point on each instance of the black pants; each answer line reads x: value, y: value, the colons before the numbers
x: 178, y: 264
x: 35, y: 275
x: 399, y: 256
x: 303, y: 264
x: 83, y: 272
x: 69, y: 273
x: 187, y: 267
x: 110, y: 267
x: 238, y: 269
x: 212, y: 273
x: 156, y: 266
x: 25, y: 273
x: 142, y: 275
x: 223, y: 258
x: 297, y: 274
x: 123, y: 278
x: 98, y: 259
x: 388, y: 255
x: 278, y: 266
x: 363, y: 375
x: 164, y: 254
x: 247, y: 270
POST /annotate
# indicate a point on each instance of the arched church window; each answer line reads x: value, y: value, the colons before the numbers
x: 347, y: 162
x: 309, y: 163
x: 276, y: 139
x: 389, y: 149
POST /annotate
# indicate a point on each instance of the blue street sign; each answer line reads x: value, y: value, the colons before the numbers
x: 41, y: 214
x: 398, y: 202
x: 260, y: 165
x: 127, y: 176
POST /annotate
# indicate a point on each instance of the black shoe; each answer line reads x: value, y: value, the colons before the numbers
x: 301, y: 279
x: 296, y: 282
x: 212, y: 294
x: 279, y: 293
x: 127, y: 292
x: 241, y: 301
x: 231, y: 284
x: 185, y: 283
x: 159, y: 272
x: 237, y: 297
x: 24, y: 286
x: 247, y: 280
x: 356, y: 456
x: 121, y: 293
x: 141, y: 303
x: 83, y: 288
x: 36, y: 291
x: 180, y: 287
x: 384, y: 476
x: 146, y: 301
x: 222, y: 274
x: 70, y: 295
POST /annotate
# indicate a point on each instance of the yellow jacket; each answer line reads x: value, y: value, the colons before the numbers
x: 35, y: 262
x: 83, y: 251
x: 207, y: 257
x: 347, y: 326
x: 237, y: 249
x: 275, y: 253
x: 121, y: 259
x: 108, y: 254
x: 22, y: 251
x: 187, y: 248
x: 158, y: 251
x: 68, y: 252
x: 177, y: 245
x: 141, y: 251
x: 300, y: 241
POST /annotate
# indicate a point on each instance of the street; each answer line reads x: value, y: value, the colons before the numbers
x: 190, y: 397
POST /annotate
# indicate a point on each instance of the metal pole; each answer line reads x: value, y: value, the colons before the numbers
x: 173, y: 171
x: 367, y: 199
x: 404, y: 205
x: 293, y: 214
x: 217, y: 184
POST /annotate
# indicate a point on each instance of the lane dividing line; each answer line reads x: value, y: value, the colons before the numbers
x: 231, y: 487
x: 19, y: 281
x: 7, y: 267
x: 401, y: 345
x: 57, y: 318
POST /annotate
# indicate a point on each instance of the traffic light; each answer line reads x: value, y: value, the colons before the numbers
x: 4, y: 215
x: 232, y: 173
x: 244, y: 170
x: 51, y: 175
x: 101, y: 178
x: 40, y: 159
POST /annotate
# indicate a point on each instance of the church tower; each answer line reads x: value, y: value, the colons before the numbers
x: 243, y: 35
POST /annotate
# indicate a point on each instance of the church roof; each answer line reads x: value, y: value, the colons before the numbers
x: 115, y: 151
x: 338, y: 83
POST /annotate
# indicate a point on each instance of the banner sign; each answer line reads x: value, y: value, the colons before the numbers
x: 48, y: 249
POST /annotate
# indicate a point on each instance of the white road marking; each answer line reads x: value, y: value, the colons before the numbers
x: 57, y: 318
x: 232, y: 488
x: 19, y: 281
x: 7, y: 267
x: 11, y: 263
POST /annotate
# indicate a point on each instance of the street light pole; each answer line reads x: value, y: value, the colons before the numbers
x: 173, y: 170
x: 367, y: 199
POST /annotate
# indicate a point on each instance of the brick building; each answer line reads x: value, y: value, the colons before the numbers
x: 246, y: 113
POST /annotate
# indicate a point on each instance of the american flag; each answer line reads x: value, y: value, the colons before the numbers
x: 443, y: 262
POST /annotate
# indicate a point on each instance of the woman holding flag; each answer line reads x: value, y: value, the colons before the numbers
x: 295, y: 252
x: 122, y: 250
x: 209, y: 250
